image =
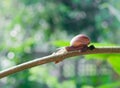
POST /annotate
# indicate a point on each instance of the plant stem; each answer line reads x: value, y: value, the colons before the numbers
x: 56, y: 57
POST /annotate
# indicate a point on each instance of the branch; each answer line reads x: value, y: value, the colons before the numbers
x: 54, y: 58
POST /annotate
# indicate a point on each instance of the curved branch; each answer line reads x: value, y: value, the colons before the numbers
x: 54, y: 58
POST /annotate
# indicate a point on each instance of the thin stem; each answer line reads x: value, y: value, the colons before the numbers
x: 56, y: 57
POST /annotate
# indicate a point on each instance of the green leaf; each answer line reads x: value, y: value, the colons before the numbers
x: 60, y: 43
x: 113, y: 59
x: 102, y: 44
x: 110, y: 85
x: 101, y: 56
x: 115, y: 62
x: 87, y: 86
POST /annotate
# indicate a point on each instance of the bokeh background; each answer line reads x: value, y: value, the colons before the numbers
x: 31, y: 29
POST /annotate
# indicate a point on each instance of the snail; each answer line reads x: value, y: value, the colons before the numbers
x: 79, y: 42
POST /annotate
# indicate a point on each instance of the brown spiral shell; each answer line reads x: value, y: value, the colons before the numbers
x: 80, y: 40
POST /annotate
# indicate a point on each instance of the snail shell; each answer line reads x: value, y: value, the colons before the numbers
x: 80, y: 40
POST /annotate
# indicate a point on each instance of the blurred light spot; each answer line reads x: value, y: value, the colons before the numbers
x: 38, y: 36
x: 40, y: 7
x: 97, y: 1
x: 104, y: 24
x: 11, y: 55
x: 5, y: 63
x: 43, y: 24
x: 77, y: 14
x: 15, y: 31
x: 82, y: 15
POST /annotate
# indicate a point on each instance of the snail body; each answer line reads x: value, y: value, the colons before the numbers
x: 79, y: 42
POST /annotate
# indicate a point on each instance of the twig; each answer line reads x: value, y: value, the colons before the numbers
x: 56, y: 57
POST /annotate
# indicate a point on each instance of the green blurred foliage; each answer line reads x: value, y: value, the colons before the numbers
x: 113, y: 59
x: 110, y: 85
x: 34, y: 28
